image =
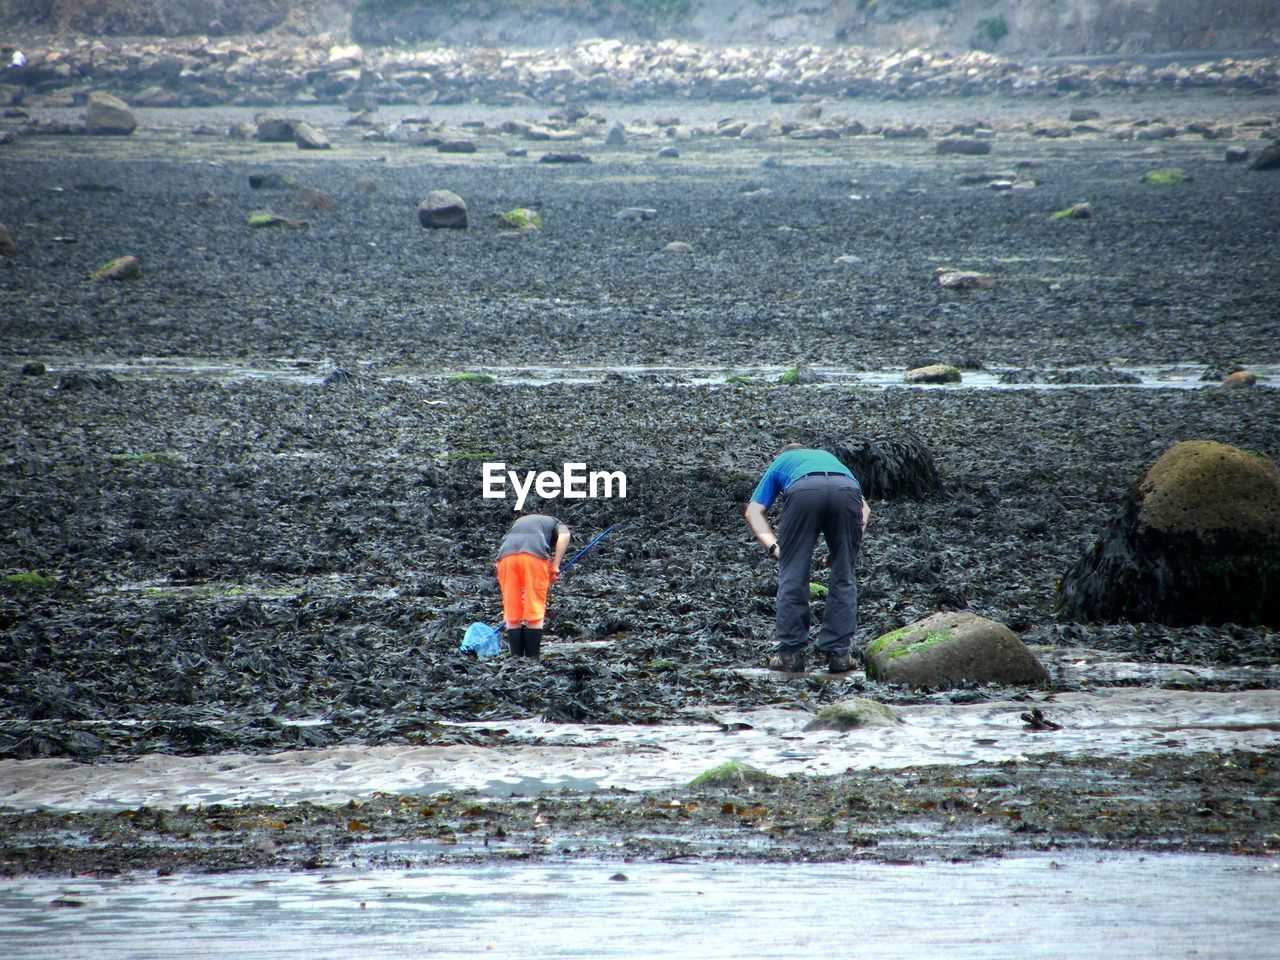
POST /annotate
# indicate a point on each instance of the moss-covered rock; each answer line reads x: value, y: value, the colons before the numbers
x: 121, y: 268
x: 733, y: 773
x: 853, y: 714
x: 1197, y: 540
x: 521, y: 218
x: 949, y: 649
x: 1166, y: 176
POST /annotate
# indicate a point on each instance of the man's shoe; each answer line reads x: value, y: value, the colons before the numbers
x: 839, y: 663
x: 788, y: 662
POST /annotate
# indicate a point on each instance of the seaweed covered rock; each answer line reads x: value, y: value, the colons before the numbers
x: 853, y: 714
x: 950, y: 649
x: 1196, y: 541
x: 888, y: 468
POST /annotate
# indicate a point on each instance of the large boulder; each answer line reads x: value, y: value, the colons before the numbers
x: 951, y: 649
x: 443, y: 209
x: 1268, y: 159
x: 308, y: 137
x: 1197, y: 540
x: 274, y: 129
x: 108, y: 115
x: 7, y: 247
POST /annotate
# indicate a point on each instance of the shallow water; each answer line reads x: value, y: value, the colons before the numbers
x: 1176, y: 376
x: 1083, y: 906
x: 1124, y: 722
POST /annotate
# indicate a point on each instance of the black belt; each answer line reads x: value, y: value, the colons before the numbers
x: 826, y: 473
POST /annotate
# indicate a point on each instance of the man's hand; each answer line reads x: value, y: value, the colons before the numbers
x: 555, y: 575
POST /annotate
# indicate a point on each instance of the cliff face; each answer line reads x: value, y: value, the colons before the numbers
x: 1046, y: 27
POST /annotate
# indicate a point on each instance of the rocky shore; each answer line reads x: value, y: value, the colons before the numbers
x: 252, y: 71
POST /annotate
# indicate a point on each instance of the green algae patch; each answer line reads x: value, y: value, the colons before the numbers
x: 817, y: 590
x: 1166, y: 176
x: 30, y: 581
x: 924, y: 643
x: 884, y: 640
x: 732, y: 774
x: 475, y: 379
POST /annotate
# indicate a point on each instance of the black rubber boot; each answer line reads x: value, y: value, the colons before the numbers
x: 532, y: 643
x: 515, y: 640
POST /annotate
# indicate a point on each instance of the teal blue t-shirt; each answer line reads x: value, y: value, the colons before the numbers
x: 792, y: 465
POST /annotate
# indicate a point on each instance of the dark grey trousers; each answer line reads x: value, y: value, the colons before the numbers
x: 832, y: 506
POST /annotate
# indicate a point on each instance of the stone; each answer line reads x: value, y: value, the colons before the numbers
x: 270, y: 128
x: 1268, y: 159
x: 261, y: 219
x: 668, y: 153
x: 1083, y: 115
x: 933, y: 373
x: 755, y: 131
x: 854, y: 714
x: 904, y: 131
x: 270, y: 180
x: 312, y: 199
x: 677, y: 246
x: 1236, y: 154
x: 635, y: 213
x: 33, y: 368
x: 964, y: 279
x: 308, y: 137
x: 520, y: 218
x: 7, y: 136
x: 365, y: 186
x: 564, y: 158
x: 242, y: 130
x: 1195, y: 541
x: 1157, y: 132
x: 443, y: 209
x: 948, y: 650
x: 617, y: 136
x: 888, y: 467
x: 1078, y: 211
x: 964, y: 146
x: 7, y: 247
x: 456, y: 146
x: 106, y: 115
x: 1166, y: 176
x: 1241, y: 378
x: 121, y: 268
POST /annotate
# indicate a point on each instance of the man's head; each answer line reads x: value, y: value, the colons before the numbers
x: 793, y: 446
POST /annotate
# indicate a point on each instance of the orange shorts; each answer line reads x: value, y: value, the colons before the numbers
x: 525, y: 580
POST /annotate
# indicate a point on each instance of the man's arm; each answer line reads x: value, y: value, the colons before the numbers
x: 758, y: 521
x: 562, y: 547
x: 866, y: 514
